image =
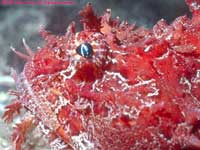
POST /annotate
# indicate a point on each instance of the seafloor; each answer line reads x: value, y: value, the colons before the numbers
x: 17, y: 22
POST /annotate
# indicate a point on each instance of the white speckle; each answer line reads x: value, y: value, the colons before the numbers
x: 70, y: 69
x: 77, y: 43
x: 43, y: 129
x: 116, y: 74
x: 120, y: 82
x: 114, y: 61
x: 83, y: 103
x: 155, y: 93
x: 123, y: 61
x: 165, y: 55
x: 147, y: 48
x: 195, y: 5
x: 149, y: 104
x: 185, y: 81
x: 198, y: 73
x: 118, y: 52
x: 57, y: 144
x: 196, y: 79
x: 151, y: 85
x: 169, y: 37
x: 94, y: 86
x: 60, y: 103
x: 118, y: 79
x: 142, y: 82
x: 82, y: 142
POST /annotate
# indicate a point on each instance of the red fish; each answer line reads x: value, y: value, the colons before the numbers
x: 113, y: 86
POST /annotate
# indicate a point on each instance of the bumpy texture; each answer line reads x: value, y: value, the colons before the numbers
x: 139, y: 90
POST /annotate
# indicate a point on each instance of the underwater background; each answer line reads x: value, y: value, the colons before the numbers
x: 24, y: 21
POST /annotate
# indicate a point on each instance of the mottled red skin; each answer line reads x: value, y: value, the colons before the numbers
x: 139, y: 91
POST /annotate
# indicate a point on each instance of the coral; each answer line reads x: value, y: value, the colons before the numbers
x: 138, y: 89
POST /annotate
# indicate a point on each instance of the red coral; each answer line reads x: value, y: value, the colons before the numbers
x: 139, y: 90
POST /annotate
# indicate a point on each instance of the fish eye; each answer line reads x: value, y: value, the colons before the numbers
x: 85, y: 50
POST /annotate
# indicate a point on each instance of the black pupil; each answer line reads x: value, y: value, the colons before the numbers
x: 85, y: 50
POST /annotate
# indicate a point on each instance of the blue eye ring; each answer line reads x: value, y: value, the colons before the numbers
x: 85, y: 50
